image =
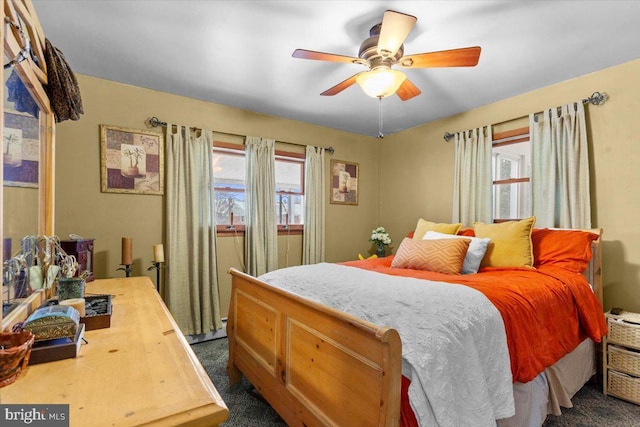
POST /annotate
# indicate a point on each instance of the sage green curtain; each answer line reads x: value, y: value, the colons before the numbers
x: 560, y: 167
x: 191, y: 288
x: 472, y: 181
x: 261, y: 229
x: 313, y: 246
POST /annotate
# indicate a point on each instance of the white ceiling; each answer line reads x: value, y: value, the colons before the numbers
x: 238, y: 53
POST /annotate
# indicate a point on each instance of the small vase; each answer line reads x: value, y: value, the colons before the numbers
x: 381, y: 251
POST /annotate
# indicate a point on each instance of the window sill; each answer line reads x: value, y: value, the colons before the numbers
x: 239, y: 230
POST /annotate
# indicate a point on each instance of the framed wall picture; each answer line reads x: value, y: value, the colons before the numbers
x: 132, y: 161
x: 344, y: 182
x: 21, y: 155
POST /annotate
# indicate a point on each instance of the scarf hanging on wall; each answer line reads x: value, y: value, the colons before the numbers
x: 62, y: 86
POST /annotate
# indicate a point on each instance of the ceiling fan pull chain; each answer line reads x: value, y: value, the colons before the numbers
x: 380, y: 134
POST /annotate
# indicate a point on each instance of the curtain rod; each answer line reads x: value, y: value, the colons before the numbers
x: 596, y: 98
x: 155, y: 122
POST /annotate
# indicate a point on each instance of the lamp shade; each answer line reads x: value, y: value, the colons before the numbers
x: 381, y: 83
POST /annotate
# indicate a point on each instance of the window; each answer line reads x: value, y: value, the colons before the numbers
x: 511, y: 165
x: 228, y: 183
x: 289, y: 190
x: 229, y: 188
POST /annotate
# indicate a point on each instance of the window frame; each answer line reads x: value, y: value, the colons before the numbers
x: 500, y: 139
x: 283, y: 229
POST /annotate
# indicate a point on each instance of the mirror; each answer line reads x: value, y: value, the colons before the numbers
x: 27, y: 190
x: 21, y: 159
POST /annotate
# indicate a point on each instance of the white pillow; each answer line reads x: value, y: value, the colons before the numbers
x: 475, y: 253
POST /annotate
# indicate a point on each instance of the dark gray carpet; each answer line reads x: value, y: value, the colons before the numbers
x: 246, y: 408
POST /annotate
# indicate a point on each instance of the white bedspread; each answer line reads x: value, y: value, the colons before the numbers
x: 454, y: 347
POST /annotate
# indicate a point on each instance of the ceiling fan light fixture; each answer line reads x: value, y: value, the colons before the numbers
x: 381, y: 83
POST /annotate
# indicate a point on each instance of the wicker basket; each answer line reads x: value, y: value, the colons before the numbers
x: 624, y: 360
x: 14, y: 355
x: 627, y: 334
x: 624, y: 386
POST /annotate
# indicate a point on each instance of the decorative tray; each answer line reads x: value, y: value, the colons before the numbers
x: 97, y: 311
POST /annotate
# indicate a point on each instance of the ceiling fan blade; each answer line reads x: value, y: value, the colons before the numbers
x: 396, y: 27
x: 342, y: 85
x: 463, y: 57
x: 321, y: 56
x: 407, y: 90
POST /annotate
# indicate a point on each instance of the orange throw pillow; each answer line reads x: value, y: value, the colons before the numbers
x: 442, y: 256
x: 569, y: 249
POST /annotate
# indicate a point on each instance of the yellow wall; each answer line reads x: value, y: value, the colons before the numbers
x: 20, y: 216
x: 414, y: 180
x: 416, y: 177
x: 81, y: 207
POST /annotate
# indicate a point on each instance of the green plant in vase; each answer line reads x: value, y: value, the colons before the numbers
x: 134, y: 155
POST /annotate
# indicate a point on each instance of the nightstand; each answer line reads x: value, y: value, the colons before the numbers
x: 621, y: 361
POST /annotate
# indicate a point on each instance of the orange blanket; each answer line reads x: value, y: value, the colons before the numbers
x: 546, y: 312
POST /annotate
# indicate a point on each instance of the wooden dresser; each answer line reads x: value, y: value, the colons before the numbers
x: 140, y: 371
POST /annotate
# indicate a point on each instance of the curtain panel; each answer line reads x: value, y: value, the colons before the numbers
x: 472, y: 181
x: 560, y: 167
x: 191, y: 288
x: 313, y: 248
x: 261, y: 229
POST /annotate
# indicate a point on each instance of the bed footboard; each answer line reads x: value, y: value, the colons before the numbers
x: 314, y: 365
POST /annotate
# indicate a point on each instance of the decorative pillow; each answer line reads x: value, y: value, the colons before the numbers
x: 510, y: 243
x: 475, y: 253
x: 570, y: 249
x: 443, y: 256
x: 466, y: 231
x: 424, y: 226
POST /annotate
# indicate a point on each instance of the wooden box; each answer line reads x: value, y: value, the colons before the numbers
x: 58, y: 349
x: 83, y: 251
x: 100, y: 304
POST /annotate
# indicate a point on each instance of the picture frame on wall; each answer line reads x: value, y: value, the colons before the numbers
x: 132, y: 161
x: 344, y: 185
x: 21, y: 150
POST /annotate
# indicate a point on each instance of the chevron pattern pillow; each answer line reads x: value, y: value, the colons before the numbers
x: 442, y: 256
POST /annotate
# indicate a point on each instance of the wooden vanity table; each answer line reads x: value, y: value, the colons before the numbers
x: 139, y: 371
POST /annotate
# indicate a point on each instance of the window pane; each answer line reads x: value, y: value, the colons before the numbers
x: 228, y: 169
x: 290, y: 208
x: 289, y: 176
x: 227, y: 202
x: 512, y: 161
x: 512, y: 201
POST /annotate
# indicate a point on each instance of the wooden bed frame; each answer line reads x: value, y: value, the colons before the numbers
x: 317, y: 366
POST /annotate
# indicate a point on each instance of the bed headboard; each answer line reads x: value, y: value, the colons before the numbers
x: 593, y: 273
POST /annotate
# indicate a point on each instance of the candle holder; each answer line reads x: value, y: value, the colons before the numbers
x: 126, y: 269
x: 156, y: 266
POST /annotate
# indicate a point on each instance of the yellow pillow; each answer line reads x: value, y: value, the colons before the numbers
x: 423, y: 226
x: 443, y: 255
x: 510, y: 243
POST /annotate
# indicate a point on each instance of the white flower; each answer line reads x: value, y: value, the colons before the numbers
x: 380, y: 236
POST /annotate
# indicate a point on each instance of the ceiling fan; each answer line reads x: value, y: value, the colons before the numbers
x: 382, y: 50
